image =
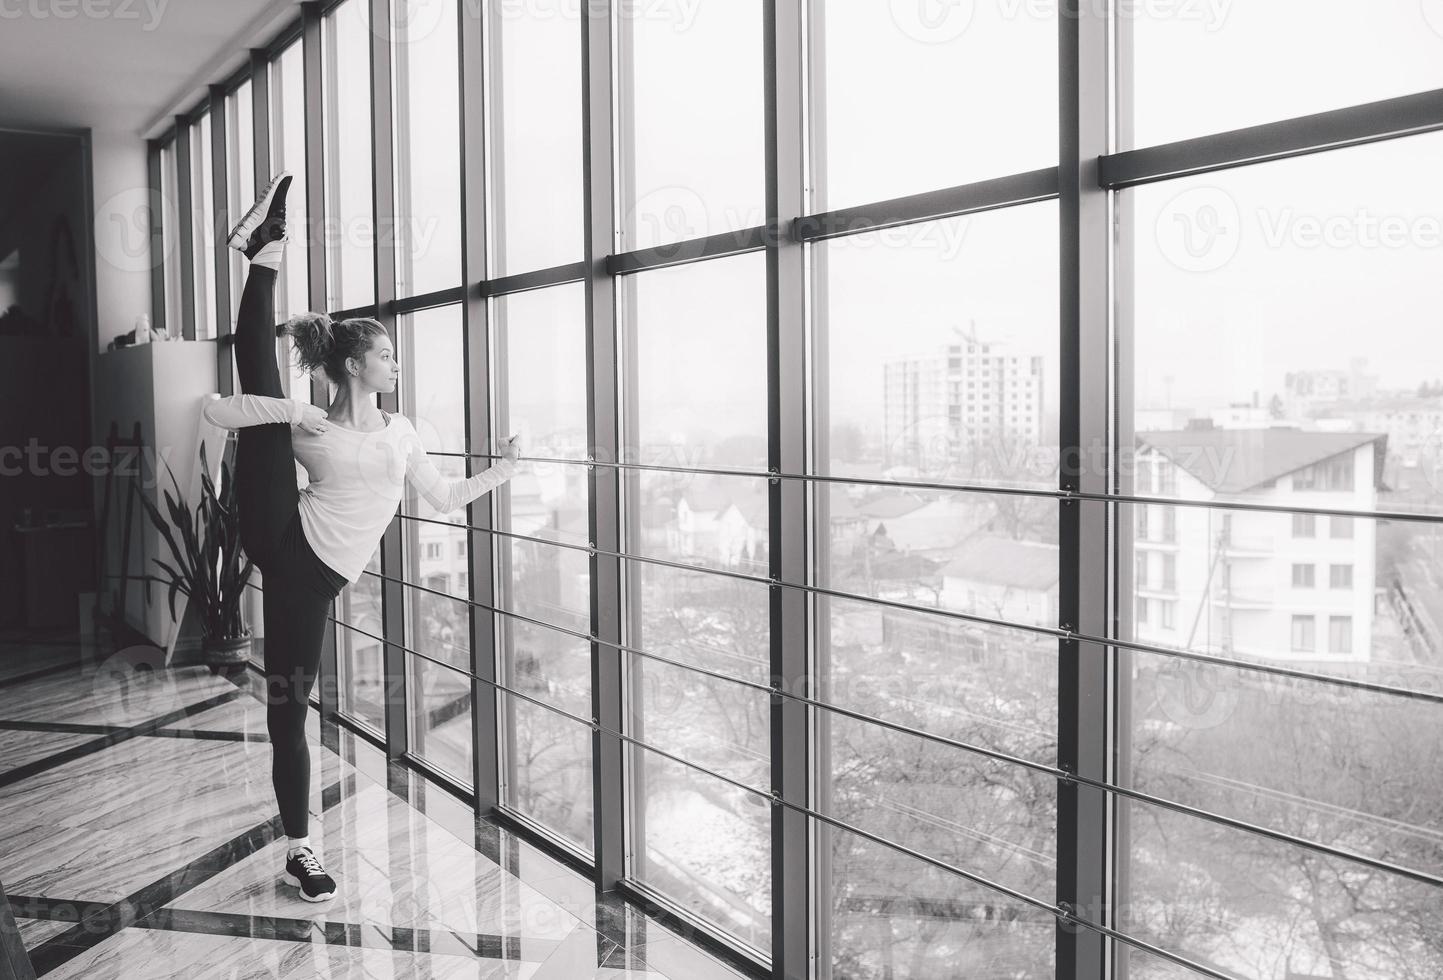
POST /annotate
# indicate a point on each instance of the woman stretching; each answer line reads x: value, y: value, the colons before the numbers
x: 311, y: 543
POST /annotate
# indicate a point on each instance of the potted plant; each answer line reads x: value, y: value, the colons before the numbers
x: 208, y: 566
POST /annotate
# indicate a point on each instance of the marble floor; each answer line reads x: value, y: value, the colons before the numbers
x: 138, y: 840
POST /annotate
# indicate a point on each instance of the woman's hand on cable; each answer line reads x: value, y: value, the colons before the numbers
x: 313, y: 419
x: 511, y: 449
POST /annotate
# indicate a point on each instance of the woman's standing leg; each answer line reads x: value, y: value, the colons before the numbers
x: 297, y: 605
x: 295, y: 620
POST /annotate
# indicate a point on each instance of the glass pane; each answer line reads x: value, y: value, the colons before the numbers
x: 432, y: 352
x: 1284, y: 328
x: 691, y: 120
x: 437, y: 625
x: 350, y: 226
x: 288, y: 152
x: 540, y: 340
x: 1283, y: 588
x: 717, y: 724
x: 1250, y: 906
x: 427, y: 146
x: 984, y: 685
x: 546, y: 664
x: 1339, y: 54
x: 540, y: 350
x: 994, y: 819
x: 547, y: 769
x: 716, y: 622
x: 536, y: 136
x: 1340, y: 767
x: 1278, y: 312
x: 984, y: 554
x: 896, y: 918
x: 698, y: 519
x: 202, y: 204
x: 240, y: 178
x: 881, y: 131
x: 440, y: 715
x: 705, y: 844
x: 695, y: 354
x: 170, y: 237
x: 962, y: 384
x: 360, y: 654
x: 546, y: 583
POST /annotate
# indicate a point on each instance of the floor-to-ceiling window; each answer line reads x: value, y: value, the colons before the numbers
x: 544, y: 582
x: 1179, y: 422
x: 348, y: 229
x: 171, y: 254
x: 203, y: 221
x: 286, y: 82
x: 240, y: 183
x: 435, y: 555
x: 1279, y: 370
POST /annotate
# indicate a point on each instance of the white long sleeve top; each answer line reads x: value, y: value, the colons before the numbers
x: 356, y: 479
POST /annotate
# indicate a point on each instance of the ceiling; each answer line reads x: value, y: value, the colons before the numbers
x: 120, y: 65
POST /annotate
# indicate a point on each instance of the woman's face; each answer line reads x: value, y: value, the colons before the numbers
x: 381, y: 370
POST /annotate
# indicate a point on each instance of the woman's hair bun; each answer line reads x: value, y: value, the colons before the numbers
x: 313, y: 337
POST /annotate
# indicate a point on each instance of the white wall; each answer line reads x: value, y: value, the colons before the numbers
x: 120, y: 225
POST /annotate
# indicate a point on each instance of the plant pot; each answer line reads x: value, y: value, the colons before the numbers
x: 229, y: 652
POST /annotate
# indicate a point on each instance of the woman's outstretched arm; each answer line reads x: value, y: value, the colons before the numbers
x: 239, y: 411
x: 448, y: 495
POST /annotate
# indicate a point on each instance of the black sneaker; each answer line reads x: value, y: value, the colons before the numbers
x: 265, y: 221
x: 306, y: 873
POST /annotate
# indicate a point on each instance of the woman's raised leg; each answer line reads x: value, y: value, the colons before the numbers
x: 265, y: 469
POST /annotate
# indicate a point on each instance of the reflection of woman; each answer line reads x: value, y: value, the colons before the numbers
x: 310, y: 544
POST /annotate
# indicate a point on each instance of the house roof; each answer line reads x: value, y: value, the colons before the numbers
x: 752, y: 504
x: 1237, y: 460
x: 994, y: 560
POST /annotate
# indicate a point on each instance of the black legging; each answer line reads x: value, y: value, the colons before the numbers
x: 298, y: 587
